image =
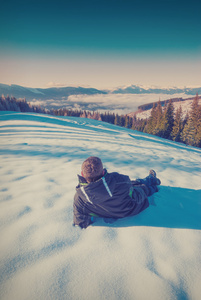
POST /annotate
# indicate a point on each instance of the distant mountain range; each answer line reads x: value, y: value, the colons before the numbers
x: 64, y: 92
x: 18, y: 91
x: 136, y: 89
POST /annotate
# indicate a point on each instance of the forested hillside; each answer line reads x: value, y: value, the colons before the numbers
x: 163, y: 122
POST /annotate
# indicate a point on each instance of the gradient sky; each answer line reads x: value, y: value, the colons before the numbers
x: 100, y: 43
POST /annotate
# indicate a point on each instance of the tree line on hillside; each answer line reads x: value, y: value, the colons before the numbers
x: 19, y: 105
x: 163, y: 121
x: 169, y: 125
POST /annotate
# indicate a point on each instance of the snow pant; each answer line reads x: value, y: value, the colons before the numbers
x: 146, y: 186
x: 142, y: 189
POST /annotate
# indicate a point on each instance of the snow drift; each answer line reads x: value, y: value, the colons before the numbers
x: 154, y: 255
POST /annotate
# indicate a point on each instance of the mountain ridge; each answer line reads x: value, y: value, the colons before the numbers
x: 45, y: 93
x: 64, y: 92
x: 138, y: 89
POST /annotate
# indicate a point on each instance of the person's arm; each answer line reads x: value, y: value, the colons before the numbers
x: 79, y: 218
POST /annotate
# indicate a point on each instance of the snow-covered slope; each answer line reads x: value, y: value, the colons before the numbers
x: 154, y: 255
x: 185, y: 105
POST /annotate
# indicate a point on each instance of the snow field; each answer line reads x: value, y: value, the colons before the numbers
x: 154, y: 255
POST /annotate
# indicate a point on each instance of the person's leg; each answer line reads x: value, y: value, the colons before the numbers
x: 140, y: 197
x: 151, y: 179
x: 140, y: 193
x: 152, y: 188
x: 151, y: 182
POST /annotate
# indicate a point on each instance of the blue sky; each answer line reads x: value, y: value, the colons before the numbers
x: 100, y: 43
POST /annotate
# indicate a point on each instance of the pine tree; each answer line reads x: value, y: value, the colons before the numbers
x: 151, y: 124
x: 96, y: 116
x: 198, y: 136
x: 133, y: 127
x: 195, y: 111
x: 167, y: 121
x: 191, y: 130
x: 117, y: 120
x: 128, y: 122
x: 188, y: 134
x: 84, y: 114
x: 122, y: 121
x: 178, y: 126
x: 198, y: 129
x: 142, y: 125
x: 159, y: 117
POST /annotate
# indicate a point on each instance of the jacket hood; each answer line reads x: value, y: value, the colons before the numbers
x: 83, y: 182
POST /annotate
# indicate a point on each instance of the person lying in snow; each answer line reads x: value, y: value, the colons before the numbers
x: 109, y: 195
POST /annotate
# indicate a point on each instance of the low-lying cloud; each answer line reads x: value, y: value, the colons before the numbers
x: 115, y: 103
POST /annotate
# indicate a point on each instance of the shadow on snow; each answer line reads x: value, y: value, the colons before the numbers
x: 173, y: 207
